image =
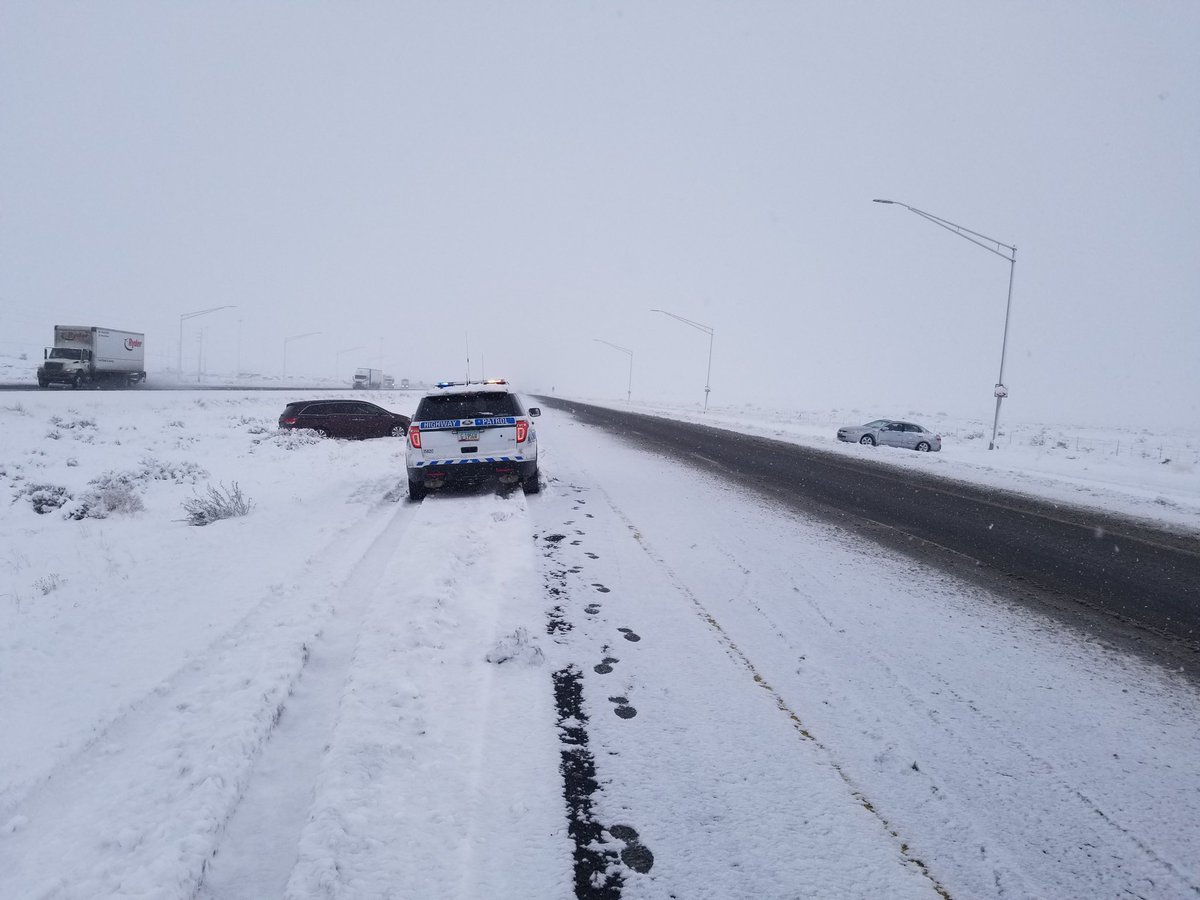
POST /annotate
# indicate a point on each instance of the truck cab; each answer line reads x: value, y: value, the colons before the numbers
x: 65, y: 365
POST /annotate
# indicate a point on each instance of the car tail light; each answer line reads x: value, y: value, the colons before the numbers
x: 291, y: 421
x: 522, y: 430
x: 414, y: 436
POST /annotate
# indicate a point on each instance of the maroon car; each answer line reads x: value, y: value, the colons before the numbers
x: 344, y: 419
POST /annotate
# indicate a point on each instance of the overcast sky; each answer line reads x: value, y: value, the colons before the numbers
x: 528, y: 179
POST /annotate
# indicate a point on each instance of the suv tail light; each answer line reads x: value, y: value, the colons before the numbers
x: 522, y: 430
x: 414, y: 436
x: 288, y: 421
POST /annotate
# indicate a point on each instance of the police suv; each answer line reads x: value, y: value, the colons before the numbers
x: 471, y: 431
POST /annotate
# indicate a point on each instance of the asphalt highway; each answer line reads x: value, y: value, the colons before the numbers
x: 1131, y: 583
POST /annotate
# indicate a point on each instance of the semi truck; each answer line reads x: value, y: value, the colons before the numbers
x: 369, y: 379
x: 90, y: 356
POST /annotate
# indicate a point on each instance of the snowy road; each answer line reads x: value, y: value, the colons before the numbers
x: 639, y: 683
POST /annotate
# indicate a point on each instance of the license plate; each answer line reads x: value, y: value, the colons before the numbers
x: 468, y: 435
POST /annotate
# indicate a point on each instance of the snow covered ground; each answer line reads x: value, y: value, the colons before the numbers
x: 638, y: 683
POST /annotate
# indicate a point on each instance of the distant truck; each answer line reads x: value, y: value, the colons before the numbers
x: 87, y: 356
x: 369, y: 379
x: 388, y: 382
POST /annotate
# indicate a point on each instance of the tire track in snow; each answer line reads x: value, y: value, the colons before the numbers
x: 603, y: 856
x: 435, y: 782
x: 143, y: 804
x: 1058, y: 788
x: 258, y: 848
x: 744, y: 662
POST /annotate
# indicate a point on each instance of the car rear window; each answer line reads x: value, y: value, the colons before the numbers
x: 474, y: 405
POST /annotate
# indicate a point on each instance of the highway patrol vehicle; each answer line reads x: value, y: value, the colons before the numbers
x: 471, y: 431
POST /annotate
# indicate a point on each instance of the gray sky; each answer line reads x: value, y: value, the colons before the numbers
x: 525, y: 178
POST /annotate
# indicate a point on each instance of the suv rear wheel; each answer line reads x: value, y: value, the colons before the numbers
x: 416, y: 489
x: 531, y: 484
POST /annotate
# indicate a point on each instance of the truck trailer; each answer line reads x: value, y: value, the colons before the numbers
x: 90, y: 356
x: 369, y: 379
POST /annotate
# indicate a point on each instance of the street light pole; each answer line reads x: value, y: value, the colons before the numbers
x: 629, y: 389
x: 337, y: 365
x: 707, y: 330
x: 288, y: 340
x: 192, y: 315
x: 1004, y: 251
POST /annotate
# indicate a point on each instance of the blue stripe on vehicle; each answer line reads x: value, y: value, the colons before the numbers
x: 424, y: 463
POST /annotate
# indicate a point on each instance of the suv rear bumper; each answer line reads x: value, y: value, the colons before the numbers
x: 435, y: 473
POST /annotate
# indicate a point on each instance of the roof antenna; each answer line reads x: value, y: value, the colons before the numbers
x: 467, y: 344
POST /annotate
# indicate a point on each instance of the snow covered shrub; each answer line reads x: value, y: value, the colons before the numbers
x: 254, y: 425
x: 70, y: 424
x: 219, y: 503
x: 44, y: 497
x: 48, y: 583
x: 102, y: 502
x: 291, y: 438
x: 178, y: 472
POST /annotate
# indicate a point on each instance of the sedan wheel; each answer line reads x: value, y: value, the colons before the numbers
x: 867, y: 439
x: 399, y: 431
x: 923, y: 446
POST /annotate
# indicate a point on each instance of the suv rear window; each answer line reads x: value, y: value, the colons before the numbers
x: 474, y: 405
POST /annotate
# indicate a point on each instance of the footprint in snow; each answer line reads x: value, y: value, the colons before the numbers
x: 592, y: 608
x: 601, y: 588
x: 623, y: 709
x: 635, y: 855
x: 629, y: 634
x: 592, y: 555
x: 605, y: 666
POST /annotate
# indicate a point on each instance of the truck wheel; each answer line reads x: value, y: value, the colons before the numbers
x: 416, y: 489
x: 42, y: 382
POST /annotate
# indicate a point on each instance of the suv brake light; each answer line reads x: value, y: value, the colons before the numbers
x: 291, y: 421
x: 522, y: 430
x: 414, y: 436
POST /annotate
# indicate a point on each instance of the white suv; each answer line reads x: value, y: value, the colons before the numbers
x: 471, y: 431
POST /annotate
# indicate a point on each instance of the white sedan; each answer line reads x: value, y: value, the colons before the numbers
x: 891, y: 433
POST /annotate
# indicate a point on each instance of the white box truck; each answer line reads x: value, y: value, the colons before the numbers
x: 87, y: 355
x: 369, y: 379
